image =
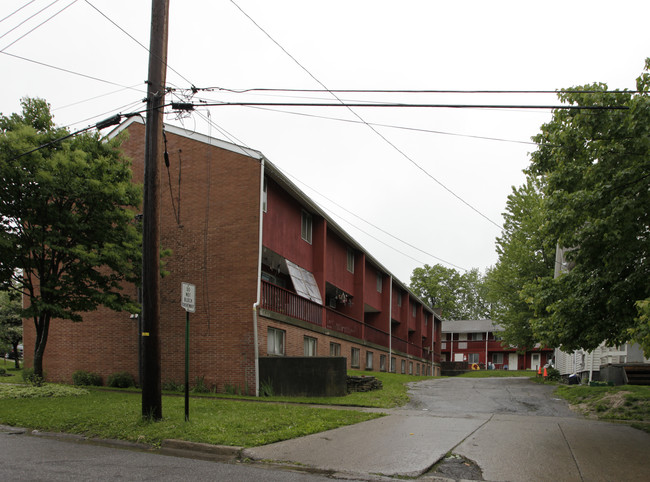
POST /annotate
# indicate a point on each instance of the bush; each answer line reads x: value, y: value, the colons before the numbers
x: 121, y: 380
x: 200, y: 386
x: 2, y: 371
x: 83, y: 378
x: 553, y: 374
x: 30, y: 377
x: 172, y: 386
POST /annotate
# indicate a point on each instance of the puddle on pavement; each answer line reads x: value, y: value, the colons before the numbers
x: 457, y: 467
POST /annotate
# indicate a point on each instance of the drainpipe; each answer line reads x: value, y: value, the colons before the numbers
x: 451, y: 344
x: 591, y: 366
x: 258, y: 299
x: 486, y: 349
x: 390, y: 325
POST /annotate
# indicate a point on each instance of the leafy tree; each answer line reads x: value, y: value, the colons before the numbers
x: 525, y: 255
x: 458, y: 295
x: 11, y: 324
x: 68, y: 239
x: 595, y: 171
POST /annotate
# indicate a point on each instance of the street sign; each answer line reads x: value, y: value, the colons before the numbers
x: 188, y: 297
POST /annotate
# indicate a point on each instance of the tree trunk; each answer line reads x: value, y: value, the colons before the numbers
x: 15, y: 347
x: 42, y: 324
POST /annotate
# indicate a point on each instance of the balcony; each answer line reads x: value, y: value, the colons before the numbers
x: 285, y: 302
x: 475, y: 346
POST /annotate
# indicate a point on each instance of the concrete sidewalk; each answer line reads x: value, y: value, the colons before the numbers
x: 505, y: 447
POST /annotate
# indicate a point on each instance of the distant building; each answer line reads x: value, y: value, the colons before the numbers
x: 274, y: 276
x: 478, y: 341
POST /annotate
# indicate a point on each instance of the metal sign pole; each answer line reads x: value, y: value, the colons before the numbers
x: 188, y: 302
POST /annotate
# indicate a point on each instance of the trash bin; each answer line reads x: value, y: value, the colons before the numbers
x: 574, y: 379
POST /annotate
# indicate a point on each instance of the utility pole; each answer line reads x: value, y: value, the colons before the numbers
x: 150, y: 334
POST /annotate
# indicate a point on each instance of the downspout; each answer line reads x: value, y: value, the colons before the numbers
x: 486, y: 349
x: 451, y: 344
x: 258, y: 299
x: 390, y: 326
x: 591, y: 366
x: 433, y: 334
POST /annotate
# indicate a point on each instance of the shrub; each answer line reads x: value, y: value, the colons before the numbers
x: 83, y: 378
x: 30, y: 377
x: 200, y: 386
x: 2, y: 371
x: 553, y: 374
x: 172, y: 386
x: 121, y: 380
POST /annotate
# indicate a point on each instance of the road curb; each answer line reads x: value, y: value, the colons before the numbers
x: 183, y: 448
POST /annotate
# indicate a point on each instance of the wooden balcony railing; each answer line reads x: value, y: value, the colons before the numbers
x: 285, y: 302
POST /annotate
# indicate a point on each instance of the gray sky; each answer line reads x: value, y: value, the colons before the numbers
x: 412, y: 184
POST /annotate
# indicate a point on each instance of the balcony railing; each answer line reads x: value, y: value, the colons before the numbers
x: 285, y: 302
x: 479, y: 345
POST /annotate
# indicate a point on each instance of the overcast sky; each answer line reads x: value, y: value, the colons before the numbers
x: 428, y: 185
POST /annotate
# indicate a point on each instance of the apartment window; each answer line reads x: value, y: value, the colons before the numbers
x: 403, y: 366
x: 415, y: 311
x: 475, y: 336
x: 426, y: 320
x: 410, y: 368
x: 275, y: 341
x: 382, y: 363
x: 399, y: 298
x: 264, y: 196
x: 354, y: 357
x: 368, y: 360
x: 380, y: 282
x: 306, y: 226
x: 310, y: 346
x: 472, y: 358
x: 350, y: 260
x: 393, y: 364
x: 497, y: 358
x: 335, y: 349
x: 417, y: 369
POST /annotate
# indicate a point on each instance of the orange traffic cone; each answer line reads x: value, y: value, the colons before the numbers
x: 545, y: 374
x: 539, y: 370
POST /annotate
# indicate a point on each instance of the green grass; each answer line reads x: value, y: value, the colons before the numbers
x: 498, y: 373
x: 16, y: 376
x: 625, y: 402
x: 117, y: 415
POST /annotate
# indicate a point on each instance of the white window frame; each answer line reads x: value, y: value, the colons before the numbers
x: 473, y: 356
x: 368, y: 360
x: 382, y: 363
x: 275, y: 341
x: 306, y: 226
x: 497, y: 358
x: 355, y: 355
x: 310, y: 346
x: 350, y: 260
x: 393, y: 364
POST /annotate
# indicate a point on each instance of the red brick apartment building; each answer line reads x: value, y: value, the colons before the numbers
x: 274, y: 276
x: 478, y: 341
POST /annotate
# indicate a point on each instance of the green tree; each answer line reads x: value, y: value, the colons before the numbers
x: 459, y: 296
x: 525, y: 255
x: 68, y: 240
x: 594, y: 166
x: 11, y: 324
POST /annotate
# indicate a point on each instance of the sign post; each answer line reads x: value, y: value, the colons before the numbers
x: 188, y: 301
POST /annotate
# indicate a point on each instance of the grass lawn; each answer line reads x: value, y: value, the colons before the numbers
x: 244, y: 421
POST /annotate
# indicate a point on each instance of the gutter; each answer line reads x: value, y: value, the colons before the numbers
x: 258, y: 298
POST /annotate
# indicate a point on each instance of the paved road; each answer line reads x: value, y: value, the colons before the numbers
x: 512, y: 429
x: 28, y: 458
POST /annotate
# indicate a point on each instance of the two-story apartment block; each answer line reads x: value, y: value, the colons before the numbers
x: 478, y: 341
x: 274, y: 276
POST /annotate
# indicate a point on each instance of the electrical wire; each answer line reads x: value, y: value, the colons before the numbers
x: 40, y: 24
x: 414, y: 91
x: 137, y: 41
x: 16, y: 11
x: 28, y: 18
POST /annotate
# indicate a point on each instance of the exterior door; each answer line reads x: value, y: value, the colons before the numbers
x: 512, y: 361
x: 534, y: 361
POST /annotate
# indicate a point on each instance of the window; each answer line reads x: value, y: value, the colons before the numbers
x: 393, y: 364
x: 382, y: 363
x: 403, y: 366
x: 335, y: 349
x: 417, y: 369
x: 368, y: 360
x: 399, y: 298
x: 410, y: 368
x: 350, y: 260
x: 475, y: 336
x: 310, y: 346
x: 472, y: 358
x: 426, y: 320
x: 380, y: 282
x: 275, y: 342
x: 354, y: 357
x: 497, y: 358
x: 306, y: 226
x: 264, y: 196
x: 415, y: 310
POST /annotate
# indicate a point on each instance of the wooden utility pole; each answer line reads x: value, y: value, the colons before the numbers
x: 150, y: 333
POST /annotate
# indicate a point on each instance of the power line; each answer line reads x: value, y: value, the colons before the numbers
x: 40, y: 24
x: 16, y: 11
x: 136, y: 41
x: 27, y: 19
